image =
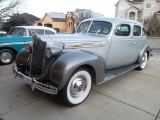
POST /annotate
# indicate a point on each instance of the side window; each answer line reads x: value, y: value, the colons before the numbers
x: 47, y: 32
x: 37, y: 31
x: 22, y: 32
x: 143, y: 32
x: 123, y: 30
x: 136, y: 30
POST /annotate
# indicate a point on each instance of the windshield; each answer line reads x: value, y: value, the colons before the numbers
x: 83, y: 27
x: 18, y: 32
x: 98, y: 27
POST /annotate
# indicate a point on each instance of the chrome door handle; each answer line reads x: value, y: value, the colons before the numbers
x: 132, y: 44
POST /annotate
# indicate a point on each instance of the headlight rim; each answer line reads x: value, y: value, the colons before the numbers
x: 48, y: 55
x: 28, y: 48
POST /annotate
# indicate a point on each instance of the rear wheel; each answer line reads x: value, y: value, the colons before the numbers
x: 144, y: 62
x: 6, y: 56
x: 78, y: 88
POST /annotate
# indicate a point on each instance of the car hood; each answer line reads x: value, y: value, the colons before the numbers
x: 67, y: 38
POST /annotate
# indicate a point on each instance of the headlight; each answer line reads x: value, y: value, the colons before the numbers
x: 48, y: 52
x: 28, y: 48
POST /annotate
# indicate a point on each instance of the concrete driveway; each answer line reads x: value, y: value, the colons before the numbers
x: 132, y: 96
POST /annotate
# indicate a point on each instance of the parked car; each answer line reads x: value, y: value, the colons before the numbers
x: 3, y: 33
x: 16, y: 39
x: 100, y: 50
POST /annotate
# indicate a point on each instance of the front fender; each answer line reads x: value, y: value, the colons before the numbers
x: 63, y: 67
x: 23, y: 58
x: 145, y: 48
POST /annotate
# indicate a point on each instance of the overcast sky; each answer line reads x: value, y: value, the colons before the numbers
x: 40, y: 7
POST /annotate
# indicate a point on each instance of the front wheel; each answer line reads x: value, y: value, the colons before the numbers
x: 78, y: 88
x: 144, y: 62
x: 6, y: 56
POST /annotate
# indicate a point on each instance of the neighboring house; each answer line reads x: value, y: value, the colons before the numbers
x: 59, y: 21
x: 66, y: 23
x: 72, y: 21
x: 137, y: 9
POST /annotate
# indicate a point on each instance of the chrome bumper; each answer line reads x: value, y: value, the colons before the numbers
x: 34, y: 83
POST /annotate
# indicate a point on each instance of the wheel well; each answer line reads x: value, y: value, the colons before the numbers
x: 12, y: 49
x: 147, y: 55
x: 91, y: 71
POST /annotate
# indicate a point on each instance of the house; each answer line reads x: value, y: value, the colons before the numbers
x: 59, y: 21
x: 66, y: 23
x: 54, y: 20
x: 137, y: 9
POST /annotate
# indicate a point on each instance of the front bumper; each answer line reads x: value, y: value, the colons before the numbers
x: 34, y: 83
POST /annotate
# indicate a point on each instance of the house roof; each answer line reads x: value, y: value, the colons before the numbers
x: 56, y: 15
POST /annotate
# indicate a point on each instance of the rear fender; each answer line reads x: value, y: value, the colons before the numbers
x: 145, y: 48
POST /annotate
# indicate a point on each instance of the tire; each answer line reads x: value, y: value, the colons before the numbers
x: 6, y: 56
x: 144, y: 62
x: 77, y: 89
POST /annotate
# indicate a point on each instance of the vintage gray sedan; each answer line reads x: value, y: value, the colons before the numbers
x: 100, y: 50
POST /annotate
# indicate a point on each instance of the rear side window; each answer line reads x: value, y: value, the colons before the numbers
x: 47, y: 32
x: 143, y: 32
x: 136, y: 30
x: 123, y: 30
x: 36, y: 31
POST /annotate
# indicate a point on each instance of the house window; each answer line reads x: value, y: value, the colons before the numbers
x: 148, y: 5
x: 69, y: 24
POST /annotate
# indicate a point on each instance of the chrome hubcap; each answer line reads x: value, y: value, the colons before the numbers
x: 6, y: 57
x: 78, y: 86
x: 144, y: 60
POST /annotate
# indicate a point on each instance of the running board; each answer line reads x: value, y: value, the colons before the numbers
x: 110, y: 74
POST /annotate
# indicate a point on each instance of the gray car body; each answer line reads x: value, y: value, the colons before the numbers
x: 98, y: 52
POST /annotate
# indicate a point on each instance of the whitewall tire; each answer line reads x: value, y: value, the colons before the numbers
x: 144, y: 61
x: 78, y: 88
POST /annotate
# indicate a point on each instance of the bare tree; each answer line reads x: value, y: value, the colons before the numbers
x: 154, y: 26
x: 8, y: 7
x: 84, y: 13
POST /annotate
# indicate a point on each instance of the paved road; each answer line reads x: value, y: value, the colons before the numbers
x: 155, y: 44
x: 132, y: 96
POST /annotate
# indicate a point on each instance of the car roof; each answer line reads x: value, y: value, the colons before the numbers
x: 113, y: 20
x: 3, y: 32
x: 36, y: 27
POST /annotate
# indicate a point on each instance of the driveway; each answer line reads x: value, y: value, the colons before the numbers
x: 132, y: 96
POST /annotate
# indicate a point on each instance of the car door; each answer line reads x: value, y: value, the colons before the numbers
x: 120, y: 48
x: 25, y: 35
x: 139, y: 38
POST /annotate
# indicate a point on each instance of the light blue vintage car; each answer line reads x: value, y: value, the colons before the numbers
x: 16, y: 39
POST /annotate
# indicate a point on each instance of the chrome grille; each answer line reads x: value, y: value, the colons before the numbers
x: 38, y: 55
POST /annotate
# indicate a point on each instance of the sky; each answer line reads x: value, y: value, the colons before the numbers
x: 40, y: 7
